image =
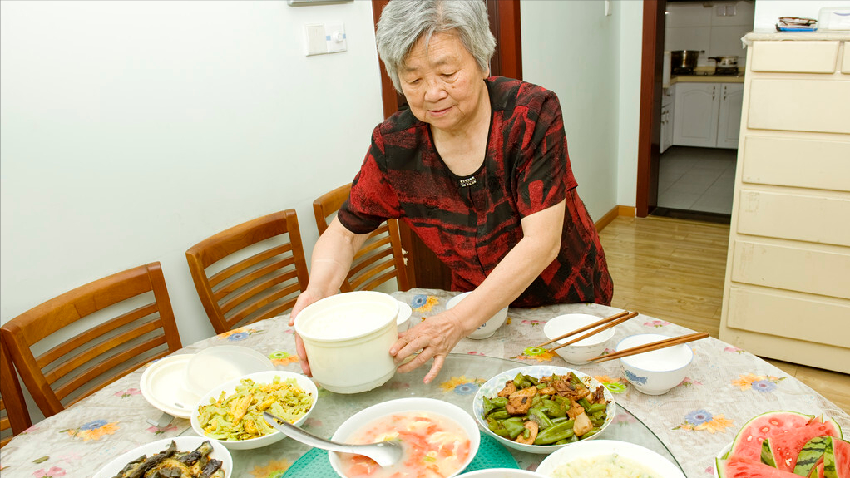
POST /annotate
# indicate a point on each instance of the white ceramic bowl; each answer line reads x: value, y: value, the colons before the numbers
x: 656, y: 372
x: 184, y: 443
x: 260, y: 377
x: 502, y: 473
x: 486, y: 329
x: 582, y: 351
x: 367, y: 415
x: 588, y: 449
x: 403, y: 320
x: 497, y: 383
x: 348, y: 337
x: 214, y: 366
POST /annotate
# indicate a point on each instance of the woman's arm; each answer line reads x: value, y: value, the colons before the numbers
x: 332, y: 257
x: 439, y: 334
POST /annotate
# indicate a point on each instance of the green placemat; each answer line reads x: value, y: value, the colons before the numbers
x: 491, y: 454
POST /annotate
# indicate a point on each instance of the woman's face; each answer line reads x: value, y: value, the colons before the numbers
x: 443, y: 85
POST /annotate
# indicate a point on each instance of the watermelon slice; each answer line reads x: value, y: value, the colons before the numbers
x: 781, y: 449
x: 841, y: 450
x: 811, y: 455
x: 742, y: 468
x: 748, y: 442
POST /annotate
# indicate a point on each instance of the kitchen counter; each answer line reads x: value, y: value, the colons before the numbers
x: 707, y: 79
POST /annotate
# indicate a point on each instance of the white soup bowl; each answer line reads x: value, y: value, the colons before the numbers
x: 582, y: 351
x: 656, y: 372
x: 487, y: 329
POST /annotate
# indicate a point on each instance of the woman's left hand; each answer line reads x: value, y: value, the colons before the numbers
x: 435, y: 337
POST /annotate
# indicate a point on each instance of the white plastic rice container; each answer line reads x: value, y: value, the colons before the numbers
x: 348, y: 337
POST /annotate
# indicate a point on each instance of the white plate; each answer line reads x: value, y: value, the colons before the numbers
x: 587, y: 449
x: 163, y: 385
x: 497, y: 383
x: 187, y: 443
x: 229, y: 389
x: 214, y: 366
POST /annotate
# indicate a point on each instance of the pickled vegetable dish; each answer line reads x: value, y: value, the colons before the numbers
x: 553, y: 410
x: 239, y: 416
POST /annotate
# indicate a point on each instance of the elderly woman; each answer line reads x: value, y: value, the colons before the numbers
x: 478, y: 168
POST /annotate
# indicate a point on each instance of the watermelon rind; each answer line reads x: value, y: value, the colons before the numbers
x: 811, y: 454
x: 767, y: 453
x: 757, y: 428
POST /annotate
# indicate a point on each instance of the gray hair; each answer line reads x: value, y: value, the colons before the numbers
x: 403, y: 22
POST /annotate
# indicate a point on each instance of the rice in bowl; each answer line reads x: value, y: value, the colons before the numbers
x: 604, y: 466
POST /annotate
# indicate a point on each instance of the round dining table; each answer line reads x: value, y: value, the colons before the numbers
x: 689, y: 425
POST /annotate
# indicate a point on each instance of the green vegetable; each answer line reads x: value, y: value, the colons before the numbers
x: 560, y: 431
x: 597, y: 407
x: 553, y: 409
x: 499, y: 415
x: 537, y: 414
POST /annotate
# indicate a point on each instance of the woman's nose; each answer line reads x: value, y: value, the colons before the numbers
x: 435, y: 91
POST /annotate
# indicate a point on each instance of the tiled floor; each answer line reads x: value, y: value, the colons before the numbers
x: 697, y: 179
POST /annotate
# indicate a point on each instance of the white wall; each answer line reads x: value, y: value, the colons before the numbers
x: 132, y: 130
x: 571, y: 48
x: 767, y: 12
x: 702, y: 27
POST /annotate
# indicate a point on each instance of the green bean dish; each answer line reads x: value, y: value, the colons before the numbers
x: 553, y: 410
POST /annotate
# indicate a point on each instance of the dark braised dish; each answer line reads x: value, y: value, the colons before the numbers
x: 171, y: 463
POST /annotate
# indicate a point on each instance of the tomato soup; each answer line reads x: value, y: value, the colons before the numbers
x: 434, y: 446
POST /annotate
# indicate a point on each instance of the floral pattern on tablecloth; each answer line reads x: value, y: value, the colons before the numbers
x: 724, y: 388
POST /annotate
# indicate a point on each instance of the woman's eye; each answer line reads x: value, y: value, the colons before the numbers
x: 449, y: 75
x: 415, y: 81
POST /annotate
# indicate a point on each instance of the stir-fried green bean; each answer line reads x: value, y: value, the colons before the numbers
x: 550, y: 409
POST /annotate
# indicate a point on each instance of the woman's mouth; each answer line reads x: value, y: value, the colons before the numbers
x: 441, y: 112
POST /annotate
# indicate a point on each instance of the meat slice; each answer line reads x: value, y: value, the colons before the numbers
x: 509, y: 389
x: 582, y: 425
x: 532, y: 433
x: 520, y: 401
x: 575, y: 410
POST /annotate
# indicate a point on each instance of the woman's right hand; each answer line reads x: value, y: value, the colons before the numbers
x: 304, y: 299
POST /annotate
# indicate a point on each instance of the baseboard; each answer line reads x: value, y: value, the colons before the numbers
x: 627, y: 211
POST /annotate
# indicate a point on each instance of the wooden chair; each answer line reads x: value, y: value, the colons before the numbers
x: 15, y: 414
x: 263, y: 285
x: 102, y: 346
x: 380, y: 259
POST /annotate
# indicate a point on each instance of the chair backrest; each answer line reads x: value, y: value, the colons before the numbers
x: 380, y: 259
x: 15, y: 416
x: 102, y: 347
x: 264, y: 285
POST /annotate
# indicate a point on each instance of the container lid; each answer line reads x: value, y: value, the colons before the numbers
x: 347, y: 316
x: 214, y: 366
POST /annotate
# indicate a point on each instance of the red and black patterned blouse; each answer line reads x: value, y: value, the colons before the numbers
x: 472, y: 222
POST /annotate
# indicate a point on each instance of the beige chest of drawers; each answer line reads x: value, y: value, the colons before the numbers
x: 787, y: 287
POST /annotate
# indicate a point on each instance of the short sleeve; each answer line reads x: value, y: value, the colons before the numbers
x: 372, y: 199
x: 543, y: 174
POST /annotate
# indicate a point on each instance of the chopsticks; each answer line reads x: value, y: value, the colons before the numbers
x: 606, y: 323
x: 650, y: 347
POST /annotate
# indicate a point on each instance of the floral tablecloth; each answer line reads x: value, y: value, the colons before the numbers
x: 725, y: 387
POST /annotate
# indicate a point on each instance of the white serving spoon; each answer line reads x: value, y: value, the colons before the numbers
x: 385, y: 453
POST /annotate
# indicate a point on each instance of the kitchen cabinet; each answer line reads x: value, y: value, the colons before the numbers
x: 667, y: 118
x: 729, y: 118
x: 785, y: 295
x: 707, y: 114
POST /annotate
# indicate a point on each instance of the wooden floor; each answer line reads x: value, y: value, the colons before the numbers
x: 674, y: 269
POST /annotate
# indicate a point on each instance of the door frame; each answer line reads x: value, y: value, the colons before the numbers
x: 649, y: 136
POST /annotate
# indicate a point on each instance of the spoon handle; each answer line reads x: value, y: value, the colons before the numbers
x: 302, y: 435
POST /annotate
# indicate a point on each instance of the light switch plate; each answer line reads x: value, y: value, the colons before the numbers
x: 314, y: 37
